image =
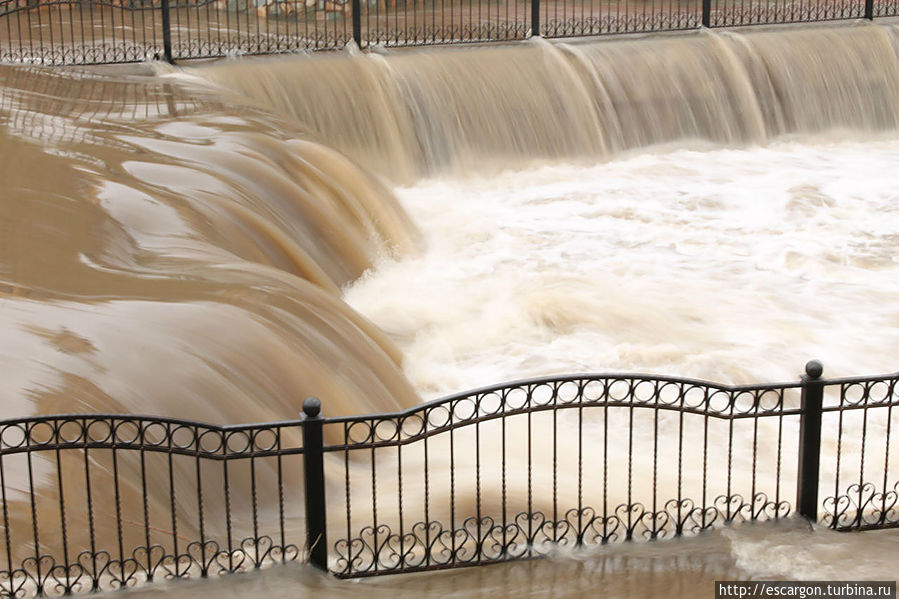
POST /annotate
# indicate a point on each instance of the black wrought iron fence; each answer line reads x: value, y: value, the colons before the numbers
x: 513, y: 471
x: 93, y: 502
x: 105, y: 31
x: 99, y: 502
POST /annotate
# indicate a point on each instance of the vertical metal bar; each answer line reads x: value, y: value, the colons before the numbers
x: 555, y: 465
x: 9, y: 39
x: 869, y: 10
x: 655, y: 465
x: 357, y: 22
x: 630, y: 467
x: 231, y: 45
x: 172, y: 502
x: 679, y: 529
x: 254, y: 501
x: 256, y: 38
x: 810, y: 441
x: 39, y: 579
x: 780, y: 428
x: 50, y: 31
x: 838, y: 465
x: 481, y: 20
x: 62, y: 517
x: 40, y: 35
x: 167, y: 32
x: 755, y: 454
x: 580, y: 466
x: 452, y: 481
x: 316, y: 522
x: 281, y: 529
x: 706, y: 13
x: 73, y: 39
x: 30, y: 36
x: 886, y: 455
x: 530, y: 538
x: 535, y: 18
x: 861, y: 460
x: 730, y: 460
x: 502, y: 421
x: 347, y: 498
x: 118, y: 505
x: 204, y: 570
x: 424, y: 430
x: 477, y: 473
x: 605, y: 467
x: 705, y: 456
x: 133, y: 30
x: 374, y: 502
x: 6, y: 533
x: 209, y: 37
x: 399, y: 492
x: 226, y: 491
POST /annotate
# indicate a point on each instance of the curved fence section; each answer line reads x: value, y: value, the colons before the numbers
x: 512, y: 471
x: 518, y: 470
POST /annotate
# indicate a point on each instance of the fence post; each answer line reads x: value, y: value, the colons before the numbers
x: 357, y: 22
x: 869, y: 10
x: 810, y: 441
x: 167, y: 32
x: 706, y: 13
x: 316, y: 518
x: 535, y: 18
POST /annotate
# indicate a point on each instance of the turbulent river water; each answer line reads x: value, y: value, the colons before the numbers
x: 219, y: 241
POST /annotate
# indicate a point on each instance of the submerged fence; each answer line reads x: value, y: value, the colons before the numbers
x: 95, y: 502
x: 110, y: 31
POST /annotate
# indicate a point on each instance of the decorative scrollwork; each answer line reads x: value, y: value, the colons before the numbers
x: 478, y: 540
x: 786, y: 12
x: 99, y: 571
x: 626, y: 23
x: 441, y: 34
x: 862, y: 506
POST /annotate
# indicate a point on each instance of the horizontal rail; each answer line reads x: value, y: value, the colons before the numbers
x: 544, y: 380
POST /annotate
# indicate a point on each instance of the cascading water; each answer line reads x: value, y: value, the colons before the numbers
x: 418, y: 113
x: 154, y: 226
x: 202, y: 241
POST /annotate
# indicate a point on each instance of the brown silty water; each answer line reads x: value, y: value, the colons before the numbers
x: 178, y: 244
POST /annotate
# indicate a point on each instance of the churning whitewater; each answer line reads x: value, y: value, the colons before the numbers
x: 221, y: 241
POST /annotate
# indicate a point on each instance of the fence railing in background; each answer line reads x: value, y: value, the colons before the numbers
x: 111, y: 31
x: 93, y: 502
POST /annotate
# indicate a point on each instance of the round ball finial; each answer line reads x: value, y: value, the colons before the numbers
x: 814, y: 369
x: 312, y: 407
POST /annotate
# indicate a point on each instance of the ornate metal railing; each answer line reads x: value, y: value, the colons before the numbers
x: 507, y: 472
x: 107, y: 31
x: 97, y: 502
